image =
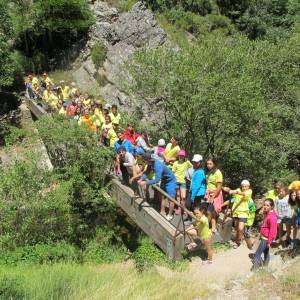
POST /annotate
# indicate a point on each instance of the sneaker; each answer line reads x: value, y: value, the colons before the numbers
x: 169, y: 217
x: 207, y: 262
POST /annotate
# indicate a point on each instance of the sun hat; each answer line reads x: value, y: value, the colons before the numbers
x: 245, y: 182
x: 197, y: 158
x: 161, y: 142
x: 182, y: 153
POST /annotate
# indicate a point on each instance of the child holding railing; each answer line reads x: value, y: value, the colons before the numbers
x: 201, y: 230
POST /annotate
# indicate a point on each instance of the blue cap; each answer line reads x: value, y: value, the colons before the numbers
x: 139, y: 151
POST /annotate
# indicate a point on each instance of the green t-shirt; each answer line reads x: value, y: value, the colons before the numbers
x: 213, y: 179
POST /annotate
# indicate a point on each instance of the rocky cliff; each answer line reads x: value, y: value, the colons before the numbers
x: 122, y: 34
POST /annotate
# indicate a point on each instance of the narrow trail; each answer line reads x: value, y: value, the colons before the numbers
x: 226, y: 276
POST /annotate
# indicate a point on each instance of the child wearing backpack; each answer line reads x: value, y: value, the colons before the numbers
x: 240, y: 211
x: 284, y: 212
x: 201, y: 230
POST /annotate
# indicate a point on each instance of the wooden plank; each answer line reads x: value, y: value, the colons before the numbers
x: 36, y: 110
x: 149, y: 220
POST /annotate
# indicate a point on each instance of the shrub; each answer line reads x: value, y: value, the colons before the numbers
x: 98, y: 54
x: 40, y: 253
x: 106, y: 247
x: 147, y: 255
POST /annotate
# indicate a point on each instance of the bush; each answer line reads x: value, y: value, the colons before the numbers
x: 98, y: 54
x: 40, y: 253
x: 106, y: 247
x: 147, y: 255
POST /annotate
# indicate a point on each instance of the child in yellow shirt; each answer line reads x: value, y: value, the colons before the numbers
x: 201, y: 230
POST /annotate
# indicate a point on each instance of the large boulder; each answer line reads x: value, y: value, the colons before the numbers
x: 122, y: 34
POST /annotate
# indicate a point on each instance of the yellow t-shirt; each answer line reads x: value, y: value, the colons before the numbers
x: 242, y: 211
x: 35, y: 81
x: 86, y: 102
x: 99, y: 115
x: 203, y: 230
x: 53, y: 101
x: 171, y: 152
x: 271, y: 195
x: 295, y: 185
x: 65, y: 92
x: 115, y: 118
x: 213, y: 179
x: 87, y: 120
x: 46, y: 96
x: 62, y: 111
x: 179, y: 169
x: 106, y: 126
x: 48, y: 81
x: 112, y: 136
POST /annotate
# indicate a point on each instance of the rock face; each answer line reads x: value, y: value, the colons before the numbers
x: 122, y: 34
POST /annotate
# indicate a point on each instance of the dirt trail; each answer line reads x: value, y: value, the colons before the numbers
x: 225, y: 277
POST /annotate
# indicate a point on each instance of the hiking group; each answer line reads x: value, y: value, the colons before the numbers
x: 197, y: 184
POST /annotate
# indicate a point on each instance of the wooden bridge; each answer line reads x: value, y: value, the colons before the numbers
x: 169, y: 236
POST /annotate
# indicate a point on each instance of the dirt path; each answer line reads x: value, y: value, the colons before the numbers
x: 225, y: 277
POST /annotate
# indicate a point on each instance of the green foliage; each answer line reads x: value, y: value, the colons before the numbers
x: 106, y: 247
x: 98, y: 54
x: 40, y: 253
x: 63, y: 14
x: 239, y: 99
x: 198, y: 25
x: 11, y: 288
x: 271, y: 19
x: 147, y: 255
x: 34, y: 208
x: 201, y: 7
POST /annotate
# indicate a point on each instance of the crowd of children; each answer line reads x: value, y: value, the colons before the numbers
x: 195, y: 184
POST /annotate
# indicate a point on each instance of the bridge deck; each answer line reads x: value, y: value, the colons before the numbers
x: 161, y: 231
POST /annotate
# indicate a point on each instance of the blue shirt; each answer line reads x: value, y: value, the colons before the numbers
x: 161, y: 173
x: 198, y: 184
x: 126, y: 144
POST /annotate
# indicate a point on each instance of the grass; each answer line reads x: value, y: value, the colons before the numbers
x: 73, y: 281
x: 65, y: 75
x: 264, y: 285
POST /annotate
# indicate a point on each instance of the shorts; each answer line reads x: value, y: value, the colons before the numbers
x: 285, y: 220
x: 169, y: 188
x: 181, y: 186
x: 244, y: 220
x: 209, y: 206
x: 247, y: 232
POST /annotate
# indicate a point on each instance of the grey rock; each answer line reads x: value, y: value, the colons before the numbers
x: 117, y: 55
x: 139, y: 28
x: 122, y: 34
x: 104, y: 12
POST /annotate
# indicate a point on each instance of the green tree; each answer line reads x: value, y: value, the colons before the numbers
x: 230, y: 98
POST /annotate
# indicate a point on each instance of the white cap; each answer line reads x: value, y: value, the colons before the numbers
x: 197, y: 158
x: 245, y: 182
x: 161, y: 142
x: 107, y: 106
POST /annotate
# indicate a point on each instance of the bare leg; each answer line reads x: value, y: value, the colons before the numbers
x: 240, y: 232
x: 162, y: 204
x: 183, y: 196
x: 207, y: 244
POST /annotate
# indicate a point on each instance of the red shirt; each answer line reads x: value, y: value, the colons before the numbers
x: 131, y: 136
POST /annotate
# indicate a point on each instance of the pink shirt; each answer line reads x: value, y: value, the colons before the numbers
x: 269, y: 226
